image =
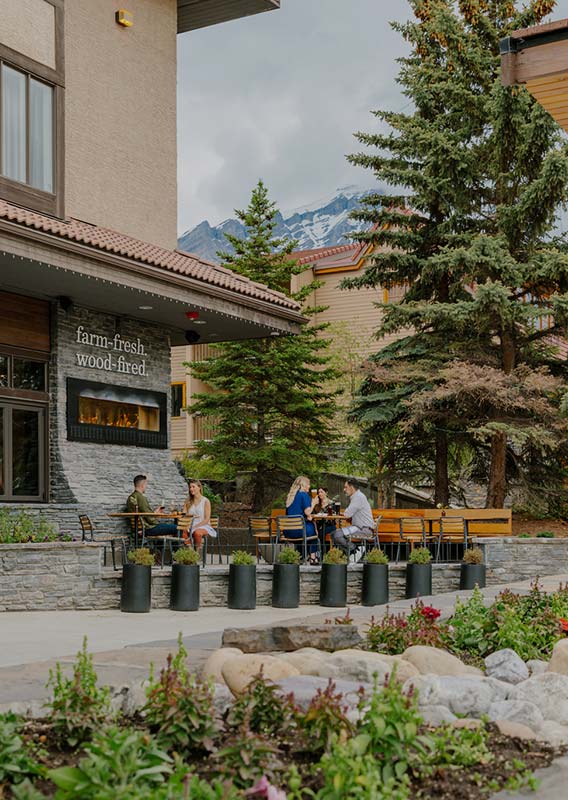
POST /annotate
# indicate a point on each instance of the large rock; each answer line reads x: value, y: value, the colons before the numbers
x: 559, y: 661
x: 433, y: 661
x: 239, y: 671
x: 466, y: 695
x: 516, y: 730
x: 537, y: 667
x: 214, y: 665
x: 222, y: 698
x: 359, y: 665
x: 506, y: 665
x: 308, y: 660
x: 305, y: 687
x: 552, y: 782
x: 437, y: 715
x: 288, y: 638
x: 520, y: 711
x: 554, y: 733
x: 549, y: 692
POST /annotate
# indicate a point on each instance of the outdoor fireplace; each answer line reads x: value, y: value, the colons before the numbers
x: 97, y: 412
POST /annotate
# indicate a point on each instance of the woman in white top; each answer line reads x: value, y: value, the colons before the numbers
x: 199, y: 508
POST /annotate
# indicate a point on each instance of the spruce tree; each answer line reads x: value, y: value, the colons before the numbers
x: 270, y: 398
x: 478, y: 172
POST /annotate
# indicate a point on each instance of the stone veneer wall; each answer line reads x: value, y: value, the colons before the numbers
x: 96, y: 475
x: 511, y: 559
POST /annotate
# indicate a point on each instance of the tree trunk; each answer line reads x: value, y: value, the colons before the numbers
x: 441, y: 481
x: 385, y: 479
x: 497, y: 484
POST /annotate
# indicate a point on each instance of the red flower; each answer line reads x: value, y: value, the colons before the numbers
x: 430, y: 613
x: 564, y: 624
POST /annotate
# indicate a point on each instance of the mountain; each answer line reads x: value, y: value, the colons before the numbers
x: 323, y: 223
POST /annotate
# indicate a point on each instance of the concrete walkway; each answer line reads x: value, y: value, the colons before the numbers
x: 124, y: 645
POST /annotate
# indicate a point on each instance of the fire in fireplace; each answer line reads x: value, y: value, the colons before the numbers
x: 97, y: 412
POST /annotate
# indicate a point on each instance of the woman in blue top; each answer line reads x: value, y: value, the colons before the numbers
x: 299, y: 504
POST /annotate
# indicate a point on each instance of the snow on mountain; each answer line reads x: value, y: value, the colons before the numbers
x: 323, y: 223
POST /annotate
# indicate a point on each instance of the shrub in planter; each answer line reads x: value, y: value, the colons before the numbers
x: 184, y: 588
x: 242, y: 581
x: 545, y: 535
x: 136, y: 590
x: 419, y: 573
x: 472, y: 571
x: 333, y: 581
x: 375, y: 578
x: 286, y: 579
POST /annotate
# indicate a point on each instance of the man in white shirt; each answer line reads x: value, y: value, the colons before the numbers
x: 360, y: 515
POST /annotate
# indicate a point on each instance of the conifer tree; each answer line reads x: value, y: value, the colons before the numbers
x: 270, y: 399
x: 477, y: 174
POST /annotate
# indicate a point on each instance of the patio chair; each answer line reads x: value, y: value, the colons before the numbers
x: 215, y: 541
x: 89, y: 534
x: 287, y: 524
x: 260, y: 530
x: 453, y: 530
x: 411, y: 531
x: 363, y: 541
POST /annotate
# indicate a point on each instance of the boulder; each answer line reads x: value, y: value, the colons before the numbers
x: 469, y: 723
x: 287, y: 638
x: 239, y: 671
x: 214, y: 664
x: 222, y: 698
x: 537, y: 667
x: 559, y: 660
x: 305, y: 687
x: 518, y: 711
x: 506, y: 665
x: 135, y: 698
x: 436, y: 715
x: 434, y: 661
x: 308, y: 660
x: 467, y: 695
x: 516, y: 730
x: 549, y: 692
x: 553, y: 733
x: 359, y: 665
x: 552, y: 782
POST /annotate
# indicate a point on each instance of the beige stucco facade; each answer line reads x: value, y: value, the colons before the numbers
x: 28, y: 27
x: 120, y: 118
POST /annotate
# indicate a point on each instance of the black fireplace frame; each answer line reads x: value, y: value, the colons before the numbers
x: 106, y: 434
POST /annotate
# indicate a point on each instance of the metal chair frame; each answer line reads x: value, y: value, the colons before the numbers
x: 214, y: 522
x: 260, y: 528
x: 294, y: 523
x: 410, y: 530
x: 451, y: 527
x: 364, y: 540
x: 88, y: 532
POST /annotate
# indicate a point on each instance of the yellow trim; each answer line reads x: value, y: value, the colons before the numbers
x: 385, y: 295
x: 183, y: 395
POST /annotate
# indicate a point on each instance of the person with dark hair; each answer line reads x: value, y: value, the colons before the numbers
x: 137, y: 501
x: 359, y: 513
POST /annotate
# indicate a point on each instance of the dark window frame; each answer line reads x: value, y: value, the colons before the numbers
x: 183, y: 398
x: 43, y: 423
x: 23, y: 194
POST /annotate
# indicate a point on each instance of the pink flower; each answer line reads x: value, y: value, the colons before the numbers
x: 265, y: 789
x: 430, y: 613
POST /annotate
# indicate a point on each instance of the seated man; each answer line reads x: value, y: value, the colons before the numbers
x: 138, y: 501
x: 359, y: 513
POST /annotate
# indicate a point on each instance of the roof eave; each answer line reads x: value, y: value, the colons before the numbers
x: 195, y: 14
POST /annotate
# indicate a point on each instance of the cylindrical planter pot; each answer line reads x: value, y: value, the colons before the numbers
x: 242, y: 586
x: 136, y: 589
x: 418, y: 580
x: 472, y: 575
x: 184, y: 589
x: 375, y: 584
x: 286, y: 586
x: 333, y: 585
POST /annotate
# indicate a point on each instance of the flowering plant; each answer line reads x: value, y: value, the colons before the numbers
x: 430, y: 613
x: 564, y: 624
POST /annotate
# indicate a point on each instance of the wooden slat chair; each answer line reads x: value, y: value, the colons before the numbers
x: 453, y: 530
x: 297, y: 523
x: 411, y: 531
x: 260, y: 531
x: 363, y: 541
x: 215, y: 541
x: 89, y: 534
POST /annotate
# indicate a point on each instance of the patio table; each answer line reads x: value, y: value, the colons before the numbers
x: 135, y: 515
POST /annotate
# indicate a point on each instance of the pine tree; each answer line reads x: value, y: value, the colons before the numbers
x: 270, y: 399
x: 478, y: 172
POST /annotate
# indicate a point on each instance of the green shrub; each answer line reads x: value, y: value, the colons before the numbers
x: 120, y: 764
x: 186, y: 555
x: 205, y: 468
x: 142, y: 557
x: 524, y: 535
x: 325, y: 720
x: 17, y: 760
x: 335, y: 556
x: 22, y: 527
x: 420, y: 555
x: 376, y: 556
x: 545, y: 535
x: 242, y: 559
x: 263, y: 709
x: 473, y: 555
x: 246, y: 758
x: 179, y: 708
x: 78, y: 707
x: 289, y: 556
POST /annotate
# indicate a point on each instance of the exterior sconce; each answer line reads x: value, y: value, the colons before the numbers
x: 124, y: 18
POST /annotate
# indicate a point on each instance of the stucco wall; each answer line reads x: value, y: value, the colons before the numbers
x: 120, y: 118
x: 28, y: 27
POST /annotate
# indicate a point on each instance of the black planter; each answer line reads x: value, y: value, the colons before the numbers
x: 472, y: 575
x: 375, y: 584
x: 333, y: 585
x: 136, y: 589
x: 242, y: 586
x: 418, y: 580
x: 184, y: 589
x: 286, y: 586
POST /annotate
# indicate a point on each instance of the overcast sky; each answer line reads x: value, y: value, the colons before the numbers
x: 278, y: 96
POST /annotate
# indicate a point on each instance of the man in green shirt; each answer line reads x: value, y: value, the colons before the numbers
x: 137, y: 501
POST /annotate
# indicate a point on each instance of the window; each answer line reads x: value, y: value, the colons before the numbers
x: 22, y: 374
x: 178, y: 399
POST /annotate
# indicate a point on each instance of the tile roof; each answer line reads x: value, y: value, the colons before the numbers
x: 176, y: 261
x: 307, y: 256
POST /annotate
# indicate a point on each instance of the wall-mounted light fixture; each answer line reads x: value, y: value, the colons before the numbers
x: 124, y: 18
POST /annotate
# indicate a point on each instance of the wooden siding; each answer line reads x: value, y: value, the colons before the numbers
x: 24, y: 322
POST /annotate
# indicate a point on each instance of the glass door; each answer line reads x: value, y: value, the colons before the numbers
x: 22, y: 452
